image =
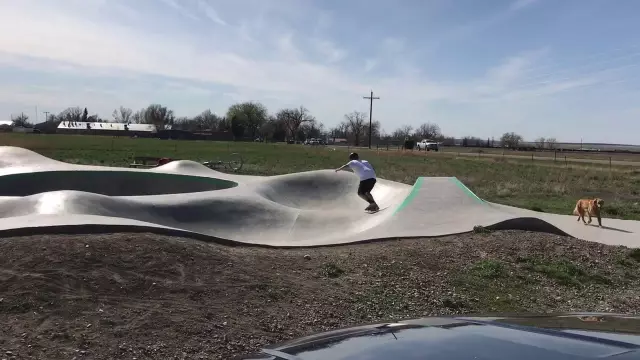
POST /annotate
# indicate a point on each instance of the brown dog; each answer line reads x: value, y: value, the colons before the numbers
x: 589, y: 207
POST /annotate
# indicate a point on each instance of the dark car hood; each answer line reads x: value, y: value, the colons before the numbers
x: 574, y: 336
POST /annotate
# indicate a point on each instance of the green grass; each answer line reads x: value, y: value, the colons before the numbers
x: 634, y: 254
x: 542, y: 186
x: 479, y: 229
x: 332, y: 271
x: 489, y: 269
x: 564, y: 272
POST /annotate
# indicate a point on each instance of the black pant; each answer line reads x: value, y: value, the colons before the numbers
x: 366, y: 186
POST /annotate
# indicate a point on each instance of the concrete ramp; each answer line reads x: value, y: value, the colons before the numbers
x: 314, y: 208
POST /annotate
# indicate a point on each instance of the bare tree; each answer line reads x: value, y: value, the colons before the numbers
x: 21, y: 120
x: 273, y: 129
x: 206, y: 120
x: 551, y: 143
x: 343, y: 127
x: 312, y: 129
x: 183, y: 123
x: 339, y: 131
x: 159, y: 116
x: 356, y: 123
x: 122, y: 115
x: 402, y: 132
x: 375, y: 130
x: 510, y: 140
x: 540, y: 142
x: 138, y: 117
x: 293, y: 119
x: 70, y: 115
x: 428, y: 131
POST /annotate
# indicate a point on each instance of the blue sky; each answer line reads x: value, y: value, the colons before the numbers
x: 554, y: 68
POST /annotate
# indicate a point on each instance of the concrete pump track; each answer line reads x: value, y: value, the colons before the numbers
x: 39, y: 195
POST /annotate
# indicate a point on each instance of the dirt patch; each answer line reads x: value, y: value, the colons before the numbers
x: 154, y: 297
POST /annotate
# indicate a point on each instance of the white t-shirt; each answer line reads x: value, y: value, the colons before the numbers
x: 363, y: 169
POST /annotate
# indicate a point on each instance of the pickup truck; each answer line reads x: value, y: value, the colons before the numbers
x: 427, y: 145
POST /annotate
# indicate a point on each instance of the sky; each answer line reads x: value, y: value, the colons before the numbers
x: 541, y: 68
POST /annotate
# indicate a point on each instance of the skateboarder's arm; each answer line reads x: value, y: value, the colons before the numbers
x: 342, y: 167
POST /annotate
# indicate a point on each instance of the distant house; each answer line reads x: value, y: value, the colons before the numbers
x: 103, y: 128
x: 336, y: 140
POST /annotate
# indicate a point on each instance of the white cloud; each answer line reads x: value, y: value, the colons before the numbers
x: 181, y: 9
x: 369, y: 64
x: 329, y: 51
x: 211, y: 13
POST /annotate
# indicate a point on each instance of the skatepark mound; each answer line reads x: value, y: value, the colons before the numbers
x: 326, y: 190
x: 313, y: 208
x: 110, y: 183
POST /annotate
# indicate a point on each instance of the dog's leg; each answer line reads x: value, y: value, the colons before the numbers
x: 581, y: 215
x: 599, y: 220
x: 589, y: 215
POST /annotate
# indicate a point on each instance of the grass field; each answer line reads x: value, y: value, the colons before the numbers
x: 540, y: 185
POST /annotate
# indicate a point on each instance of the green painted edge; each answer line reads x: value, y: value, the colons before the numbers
x: 464, y: 188
x: 411, y: 196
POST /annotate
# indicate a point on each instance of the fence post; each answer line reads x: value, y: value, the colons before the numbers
x: 531, y: 156
x: 609, y: 163
x: 565, y: 161
x: 555, y: 156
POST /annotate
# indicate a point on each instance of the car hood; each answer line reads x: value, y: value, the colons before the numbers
x: 574, y: 336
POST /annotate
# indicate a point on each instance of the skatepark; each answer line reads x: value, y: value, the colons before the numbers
x: 40, y: 195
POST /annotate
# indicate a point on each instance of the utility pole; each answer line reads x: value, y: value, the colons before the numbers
x: 46, y: 116
x: 370, y: 98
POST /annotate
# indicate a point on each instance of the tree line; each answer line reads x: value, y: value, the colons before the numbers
x: 253, y: 120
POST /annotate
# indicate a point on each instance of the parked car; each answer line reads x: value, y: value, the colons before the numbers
x: 427, y: 145
x: 580, y: 336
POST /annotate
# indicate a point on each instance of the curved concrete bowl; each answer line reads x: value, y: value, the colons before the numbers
x: 110, y: 183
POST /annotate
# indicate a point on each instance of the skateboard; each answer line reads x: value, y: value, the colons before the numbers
x: 373, y: 212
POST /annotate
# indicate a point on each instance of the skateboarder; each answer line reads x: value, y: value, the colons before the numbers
x: 367, y: 176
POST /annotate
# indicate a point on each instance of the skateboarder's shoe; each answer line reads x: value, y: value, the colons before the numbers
x: 372, y: 207
x: 369, y: 208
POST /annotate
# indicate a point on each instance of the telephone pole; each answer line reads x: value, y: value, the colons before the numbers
x: 46, y: 116
x: 370, y: 98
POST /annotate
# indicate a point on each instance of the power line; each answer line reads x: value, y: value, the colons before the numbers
x: 371, y: 98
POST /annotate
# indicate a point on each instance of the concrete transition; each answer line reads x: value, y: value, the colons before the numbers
x: 40, y: 195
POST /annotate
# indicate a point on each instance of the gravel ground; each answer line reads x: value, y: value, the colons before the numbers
x: 144, y: 296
